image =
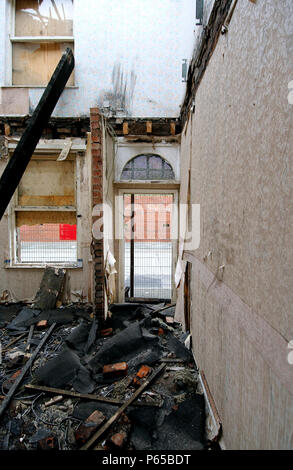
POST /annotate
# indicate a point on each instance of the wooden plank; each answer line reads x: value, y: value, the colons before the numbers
x: 31, y: 331
x: 118, y: 413
x: 149, y: 127
x: 20, y: 159
x: 24, y: 370
x: 125, y: 128
x: 13, y: 342
x: 85, y: 396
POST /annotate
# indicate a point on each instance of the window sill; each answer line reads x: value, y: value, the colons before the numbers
x: 43, y: 266
x: 69, y: 87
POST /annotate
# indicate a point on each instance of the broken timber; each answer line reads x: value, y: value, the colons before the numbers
x: 24, y: 371
x: 119, y: 412
x: 86, y: 396
x: 20, y: 159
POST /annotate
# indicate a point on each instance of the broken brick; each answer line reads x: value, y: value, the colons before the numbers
x: 9, y: 382
x: 143, y: 372
x: 107, y: 332
x: 48, y: 443
x: 42, y: 324
x: 118, y: 439
x: 169, y: 320
x: 115, y: 370
x: 160, y: 331
x: 84, y: 432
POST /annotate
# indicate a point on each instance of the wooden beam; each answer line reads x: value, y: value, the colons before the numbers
x: 21, y: 157
x: 85, y: 396
x: 172, y: 128
x: 125, y: 128
x: 119, y: 412
x: 149, y: 127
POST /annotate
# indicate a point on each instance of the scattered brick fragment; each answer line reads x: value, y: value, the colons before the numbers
x: 9, y: 382
x: 115, y: 370
x: 143, y: 372
x: 48, y: 443
x: 118, y: 439
x: 107, y: 332
x: 83, y: 433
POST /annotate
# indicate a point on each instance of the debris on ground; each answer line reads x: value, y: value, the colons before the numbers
x: 129, y: 383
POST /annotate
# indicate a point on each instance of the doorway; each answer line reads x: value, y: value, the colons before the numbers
x: 149, y: 244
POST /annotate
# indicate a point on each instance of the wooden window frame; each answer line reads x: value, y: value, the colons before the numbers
x: 13, y: 208
x: 32, y: 39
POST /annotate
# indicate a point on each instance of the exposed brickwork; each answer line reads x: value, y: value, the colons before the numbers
x: 97, y: 198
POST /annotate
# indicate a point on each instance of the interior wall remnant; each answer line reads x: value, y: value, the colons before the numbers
x: 238, y: 137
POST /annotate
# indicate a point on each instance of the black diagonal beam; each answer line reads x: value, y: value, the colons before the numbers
x: 20, y: 159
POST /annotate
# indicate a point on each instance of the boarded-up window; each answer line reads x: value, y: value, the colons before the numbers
x: 45, y: 214
x: 46, y: 24
x: 48, y: 183
x: 44, y: 18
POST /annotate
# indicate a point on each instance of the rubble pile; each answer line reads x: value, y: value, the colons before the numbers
x: 129, y: 383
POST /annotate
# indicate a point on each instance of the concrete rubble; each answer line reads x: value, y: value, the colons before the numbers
x: 85, y: 374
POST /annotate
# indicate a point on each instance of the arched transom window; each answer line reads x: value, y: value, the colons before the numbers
x: 147, y: 167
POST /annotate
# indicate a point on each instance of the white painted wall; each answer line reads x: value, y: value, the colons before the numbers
x: 127, y: 151
x: 141, y: 43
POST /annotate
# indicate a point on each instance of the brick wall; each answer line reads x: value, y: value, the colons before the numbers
x: 152, y: 217
x: 97, y: 198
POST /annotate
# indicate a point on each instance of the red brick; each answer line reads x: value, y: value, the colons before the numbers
x: 96, y: 146
x: 83, y: 433
x: 143, y: 372
x: 94, y: 112
x: 9, y: 382
x: 48, y: 443
x: 118, y: 439
x: 42, y: 324
x: 107, y: 332
x: 115, y: 370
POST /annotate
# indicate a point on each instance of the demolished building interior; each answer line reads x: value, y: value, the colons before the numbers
x: 145, y: 263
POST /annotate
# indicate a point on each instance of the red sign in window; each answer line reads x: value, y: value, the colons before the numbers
x: 67, y: 232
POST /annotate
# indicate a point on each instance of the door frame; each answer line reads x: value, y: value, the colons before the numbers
x: 119, y: 212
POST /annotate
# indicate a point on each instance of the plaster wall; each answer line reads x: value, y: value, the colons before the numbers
x: 128, y: 57
x: 241, y: 175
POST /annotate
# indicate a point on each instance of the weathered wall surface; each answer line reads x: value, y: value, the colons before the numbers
x: 241, y: 176
x: 128, y: 56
